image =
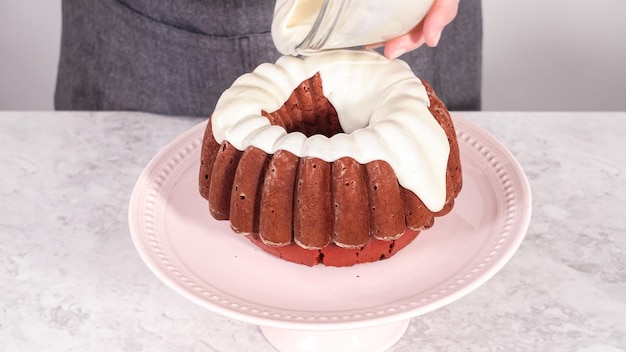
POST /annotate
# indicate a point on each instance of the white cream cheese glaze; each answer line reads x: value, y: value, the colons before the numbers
x: 307, y: 26
x: 381, y: 105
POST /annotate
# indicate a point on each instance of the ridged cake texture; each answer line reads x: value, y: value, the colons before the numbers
x: 310, y: 165
x: 382, y: 108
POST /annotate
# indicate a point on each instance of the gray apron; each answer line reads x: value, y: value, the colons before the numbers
x: 177, y: 57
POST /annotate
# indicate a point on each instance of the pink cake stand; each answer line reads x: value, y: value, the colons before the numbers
x: 362, y: 308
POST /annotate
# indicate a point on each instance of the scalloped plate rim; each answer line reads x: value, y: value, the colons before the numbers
x: 292, y: 319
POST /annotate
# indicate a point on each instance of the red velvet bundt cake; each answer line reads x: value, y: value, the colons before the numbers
x: 341, y: 158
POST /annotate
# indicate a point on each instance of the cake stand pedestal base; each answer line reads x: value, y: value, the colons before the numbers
x: 370, y: 339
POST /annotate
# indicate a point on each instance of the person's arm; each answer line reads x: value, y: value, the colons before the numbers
x: 426, y: 32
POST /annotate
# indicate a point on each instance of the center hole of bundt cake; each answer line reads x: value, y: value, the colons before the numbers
x: 307, y: 111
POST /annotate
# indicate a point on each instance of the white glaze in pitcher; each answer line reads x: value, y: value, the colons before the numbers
x: 308, y: 26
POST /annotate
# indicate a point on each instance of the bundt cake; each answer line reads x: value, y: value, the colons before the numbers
x: 338, y: 158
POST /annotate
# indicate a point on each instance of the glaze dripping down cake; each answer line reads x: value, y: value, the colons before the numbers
x: 339, y: 159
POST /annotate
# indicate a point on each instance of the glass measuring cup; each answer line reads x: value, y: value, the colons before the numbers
x: 308, y: 26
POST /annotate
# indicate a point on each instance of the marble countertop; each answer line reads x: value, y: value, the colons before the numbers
x: 71, y: 279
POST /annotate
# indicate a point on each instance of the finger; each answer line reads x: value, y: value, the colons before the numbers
x: 440, y: 15
x: 405, y: 43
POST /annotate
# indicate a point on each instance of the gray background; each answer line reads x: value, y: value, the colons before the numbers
x: 539, y: 55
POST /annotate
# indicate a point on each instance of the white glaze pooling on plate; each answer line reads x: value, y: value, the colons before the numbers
x: 381, y: 105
